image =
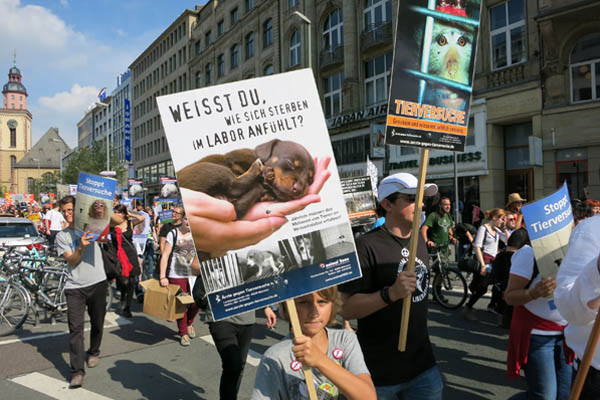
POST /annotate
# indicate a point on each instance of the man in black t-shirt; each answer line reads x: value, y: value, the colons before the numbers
x: 375, y: 300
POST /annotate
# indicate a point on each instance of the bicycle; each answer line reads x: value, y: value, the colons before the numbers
x: 449, y: 287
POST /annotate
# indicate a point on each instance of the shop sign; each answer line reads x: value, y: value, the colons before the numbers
x: 363, y: 115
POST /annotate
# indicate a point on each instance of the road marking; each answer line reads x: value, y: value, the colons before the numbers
x: 111, y: 320
x: 55, y: 388
x: 253, y: 357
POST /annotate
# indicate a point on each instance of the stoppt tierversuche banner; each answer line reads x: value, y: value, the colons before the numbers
x: 257, y: 154
x: 432, y: 74
x: 549, y: 223
x: 93, y: 207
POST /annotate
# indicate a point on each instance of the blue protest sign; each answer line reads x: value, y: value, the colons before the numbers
x: 549, y: 215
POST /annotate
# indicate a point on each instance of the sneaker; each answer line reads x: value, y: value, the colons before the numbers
x: 76, y: 381
x: 127, y: 313
x: 185, y: 341
x: 93, y: 361
x: 191, y: 332
x: 469, y: 314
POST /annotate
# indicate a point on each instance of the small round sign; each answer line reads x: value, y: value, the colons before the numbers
x: 337, y: 353
x: 296, y: 365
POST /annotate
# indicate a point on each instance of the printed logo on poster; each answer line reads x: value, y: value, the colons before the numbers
x: 267, y: 152
x: 93, y: 207
x: 432, y: 74
x: 135, y: 189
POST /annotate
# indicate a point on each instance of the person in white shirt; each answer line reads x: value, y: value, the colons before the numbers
x: 55, y: 222
x: 577, y: 295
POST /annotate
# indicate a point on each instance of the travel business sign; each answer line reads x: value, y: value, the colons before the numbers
x: 549, y: 223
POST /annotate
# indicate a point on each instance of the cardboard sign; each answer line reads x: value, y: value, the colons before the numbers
x: 360, y: 202
x: 269, y: 151
x: 549, y: 223
x: 93, y: 207
x: 432, y: 74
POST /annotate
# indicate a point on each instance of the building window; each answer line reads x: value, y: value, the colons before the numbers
x: 221, y: 65
x: 351, y: 150
x: 13, y: 163
x: 249, y: 45
x: 198, y: 79
x: 268, y: 33
x: 293, y: 3
x: 13, y: 137
x: 207, y: 39
x: 516, y: 145
x: 268, y: 70
x: 198, y: 47
x: 235, y: 56
x: 249, y: 5
x: 333, y: 94
x: 30, y: 185
x: 207, y: 74
x: 377, y: 79
x: 234, y: 16
x: 376, y: 12
x: 572, y: 167
x: 333, y: 30
x: 295, y: 49
x: 585, y: 69
x: 507, y: 33
x: 220, y: 28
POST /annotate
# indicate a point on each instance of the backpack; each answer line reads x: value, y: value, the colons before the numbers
x: 157, y: 266
x: 112, y: 265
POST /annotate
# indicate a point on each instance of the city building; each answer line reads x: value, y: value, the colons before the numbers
x: 161, y: 69
x: 15, y: 130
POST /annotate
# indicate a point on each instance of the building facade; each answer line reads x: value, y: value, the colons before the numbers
x: 15, y: 130
x: 161, y: 69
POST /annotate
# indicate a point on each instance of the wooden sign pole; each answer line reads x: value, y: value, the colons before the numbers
x: 297, y: 331
x: 590, y: 350
x: 414, y: 240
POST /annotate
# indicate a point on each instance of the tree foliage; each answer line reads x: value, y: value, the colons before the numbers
x: 93, y: 161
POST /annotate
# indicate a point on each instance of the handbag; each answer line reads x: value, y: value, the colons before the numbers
x: 469, y: 263
x: 112, y: 265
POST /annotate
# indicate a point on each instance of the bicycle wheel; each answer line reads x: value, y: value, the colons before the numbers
x: 450, y: 289
x: 14, y: 307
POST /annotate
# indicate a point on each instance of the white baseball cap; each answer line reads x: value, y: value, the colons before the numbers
x: 403, y: 182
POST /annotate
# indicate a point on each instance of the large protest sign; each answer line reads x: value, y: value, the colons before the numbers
x: 93, y: 207
x: 434, y: 57
x: 549, y: 223
x: 267, y: 151
x: 360, y: 202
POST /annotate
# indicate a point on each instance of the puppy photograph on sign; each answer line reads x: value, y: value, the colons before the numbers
x: 432, y: 74
x: 260, y: 187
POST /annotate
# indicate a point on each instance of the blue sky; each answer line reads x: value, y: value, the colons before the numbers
x: 67, y: 50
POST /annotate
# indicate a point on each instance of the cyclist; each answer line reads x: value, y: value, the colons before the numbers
x: 437, y: 229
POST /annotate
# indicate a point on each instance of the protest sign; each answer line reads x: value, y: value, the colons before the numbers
x: 267, y: 151
x: 360, y: 202
x: 168, y: 189
x: 165, y: 216
x: 93, y: 207
x: 549, y: 223
x: 73, y: 190
x: 432, y: 75
x: 135, y: 190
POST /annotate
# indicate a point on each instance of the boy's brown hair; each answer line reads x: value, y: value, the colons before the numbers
x: 329, y: 294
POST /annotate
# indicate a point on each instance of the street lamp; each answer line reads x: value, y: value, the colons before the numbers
x: 38, y: 179
x: 309, y: 23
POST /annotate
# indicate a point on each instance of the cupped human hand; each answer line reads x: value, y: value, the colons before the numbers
x: 214, y: 226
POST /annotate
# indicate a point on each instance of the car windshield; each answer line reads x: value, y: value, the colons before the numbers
x: 15, y: 230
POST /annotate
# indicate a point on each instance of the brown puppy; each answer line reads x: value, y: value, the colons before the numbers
x: 276, y: 170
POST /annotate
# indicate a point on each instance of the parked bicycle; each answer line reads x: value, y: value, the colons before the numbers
x: 28, y: 281
x: 449, y: 287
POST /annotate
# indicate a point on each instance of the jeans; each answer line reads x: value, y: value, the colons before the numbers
x: 547, y: 373
x: 426, y: 386
x: 232, y: 342
x: 192, y: 310
x: 94, y: 299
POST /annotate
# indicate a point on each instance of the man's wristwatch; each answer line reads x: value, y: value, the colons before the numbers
x: 385, y: 295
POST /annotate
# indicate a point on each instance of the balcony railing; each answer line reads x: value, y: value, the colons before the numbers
x: 375, y: 34
x: 331, y: 56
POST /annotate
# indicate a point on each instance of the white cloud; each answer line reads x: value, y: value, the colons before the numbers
x: 121, y: 32
x: 75, y: 100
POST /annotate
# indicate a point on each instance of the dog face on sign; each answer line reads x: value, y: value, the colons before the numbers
x: 266, y: 262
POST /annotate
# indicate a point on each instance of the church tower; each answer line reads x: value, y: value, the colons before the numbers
x: 15, y: 129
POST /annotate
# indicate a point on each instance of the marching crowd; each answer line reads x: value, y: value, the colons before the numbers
x: 549, y: 319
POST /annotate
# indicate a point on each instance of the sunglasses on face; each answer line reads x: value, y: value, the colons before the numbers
x: 409, y: 198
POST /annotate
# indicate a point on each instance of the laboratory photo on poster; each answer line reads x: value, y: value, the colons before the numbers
x: 432, y: 73
x: 259, y: 184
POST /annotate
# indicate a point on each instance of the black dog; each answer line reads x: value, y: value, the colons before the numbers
x: 276, y: 170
